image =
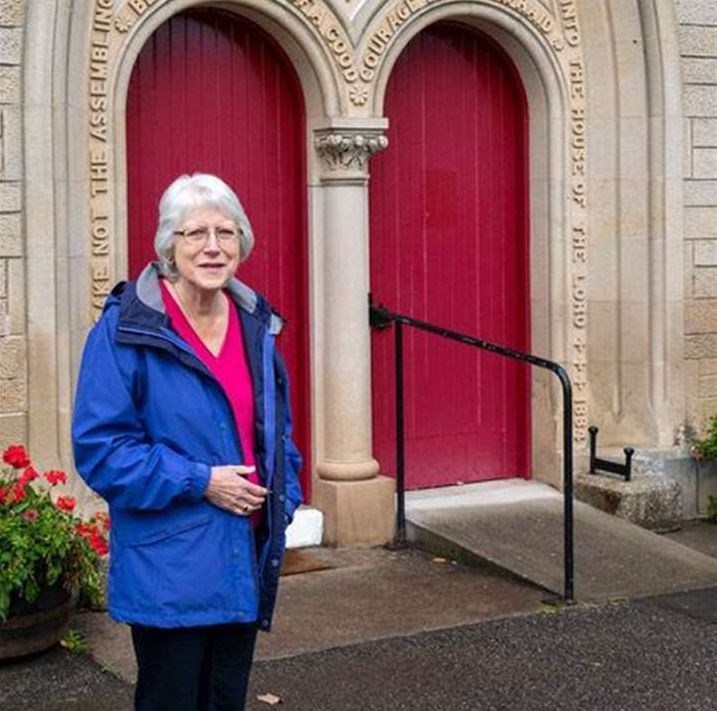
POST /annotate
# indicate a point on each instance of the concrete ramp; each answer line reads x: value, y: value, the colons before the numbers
x: 518, y: 526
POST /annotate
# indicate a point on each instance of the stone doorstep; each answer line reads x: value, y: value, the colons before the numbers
x: 652, y: 502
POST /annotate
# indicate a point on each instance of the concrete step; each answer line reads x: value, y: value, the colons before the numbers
x: 517, y: 525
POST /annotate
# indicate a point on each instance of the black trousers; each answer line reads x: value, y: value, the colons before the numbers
x: 193, y: 668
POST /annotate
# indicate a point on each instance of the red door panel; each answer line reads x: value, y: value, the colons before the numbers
x: 212, y: 92
x: 449, y: 245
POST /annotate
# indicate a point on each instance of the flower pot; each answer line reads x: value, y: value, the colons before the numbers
x: 31, y: 629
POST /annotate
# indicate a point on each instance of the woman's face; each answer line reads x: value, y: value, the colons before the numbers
x: 206, y: 263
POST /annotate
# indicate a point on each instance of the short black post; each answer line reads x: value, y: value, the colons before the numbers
x: 400, y: 443
x: 629, y: 451
x: 593, y: 446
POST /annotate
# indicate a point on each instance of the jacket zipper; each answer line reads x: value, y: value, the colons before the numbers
x: 260, y: 561
x: 199, y: 366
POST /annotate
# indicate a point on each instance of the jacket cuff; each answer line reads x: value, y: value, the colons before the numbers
x: 198, y: 481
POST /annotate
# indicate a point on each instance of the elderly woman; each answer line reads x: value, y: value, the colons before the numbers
x: 182, y: 423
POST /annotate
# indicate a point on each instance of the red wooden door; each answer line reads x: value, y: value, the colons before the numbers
x: 449, y: 245
x: 212, y: 92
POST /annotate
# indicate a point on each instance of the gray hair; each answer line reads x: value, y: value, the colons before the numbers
x: 187, y: 193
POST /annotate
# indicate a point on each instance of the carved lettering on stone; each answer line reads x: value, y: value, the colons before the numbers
x: 98, y: 163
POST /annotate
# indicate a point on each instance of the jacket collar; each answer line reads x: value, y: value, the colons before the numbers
x: 143, y: 305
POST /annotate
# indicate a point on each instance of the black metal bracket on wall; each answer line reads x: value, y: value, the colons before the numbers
x: 605, y: 465
x: 381, y: 319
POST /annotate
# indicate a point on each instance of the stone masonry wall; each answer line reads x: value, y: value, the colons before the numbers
x: 698, y: 48
x: 13, y: 340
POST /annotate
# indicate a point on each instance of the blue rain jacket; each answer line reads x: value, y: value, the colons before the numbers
x: 149, y: 421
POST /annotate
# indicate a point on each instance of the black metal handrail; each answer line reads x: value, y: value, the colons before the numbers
x: 381, y: 318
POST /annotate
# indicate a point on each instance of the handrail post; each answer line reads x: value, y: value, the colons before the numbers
x: 568, y: 553
x: 400, y: 442
x: 381, y: 318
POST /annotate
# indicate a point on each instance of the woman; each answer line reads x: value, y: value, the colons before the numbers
x: 182, y: 423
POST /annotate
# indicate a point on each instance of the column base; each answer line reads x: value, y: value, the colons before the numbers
x: 356, y: 513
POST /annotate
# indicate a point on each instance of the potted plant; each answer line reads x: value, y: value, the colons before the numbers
x: 704, y: 452
x: 49, y: 557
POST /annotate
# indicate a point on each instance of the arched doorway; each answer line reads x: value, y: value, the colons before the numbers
x: 212, y: 92
x: 450, y: 245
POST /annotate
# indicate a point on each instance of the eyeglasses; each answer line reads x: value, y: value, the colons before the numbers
x: 225, y: 236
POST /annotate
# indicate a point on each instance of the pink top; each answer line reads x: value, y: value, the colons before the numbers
x: 230, y: 368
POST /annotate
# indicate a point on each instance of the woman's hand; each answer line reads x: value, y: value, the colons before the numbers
x: 229, y: 490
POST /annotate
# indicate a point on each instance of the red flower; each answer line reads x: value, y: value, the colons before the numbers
x: 99, y: 545
x: 31, y: 515
x: 16, y: 456
x: 65, y: 503
x: 3, y: 494
x: 91, y: 533
x: 27, y: 476
x: 56, y: 477
x: 18, y: 492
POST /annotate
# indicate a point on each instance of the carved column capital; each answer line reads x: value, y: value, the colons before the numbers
x: 348, y: 150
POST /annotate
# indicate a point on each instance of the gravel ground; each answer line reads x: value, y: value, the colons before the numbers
x: 640, y: 656
x: 658, y: 654
x: 61, y: 681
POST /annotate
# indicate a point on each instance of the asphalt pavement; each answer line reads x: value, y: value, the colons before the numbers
x: 386, y: 630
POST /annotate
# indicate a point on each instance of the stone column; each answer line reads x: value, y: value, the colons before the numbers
x: 357, y: 503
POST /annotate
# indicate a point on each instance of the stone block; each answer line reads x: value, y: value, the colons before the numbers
x: 700, y: 193
x: 704, y: 131
x: 3, y: 278
x: 696, y: 12
x: 13, y: 430
x: 13, y: 395
x: 688, y: 249
x: 697, y: 41
x: 10, y: 85
x: 704, y: 163
x: 687, y: 147
x: 12, y: 357
x: 708, y: 366
x: 697, y: 480
x: 699, y: 70
x: 356, y: 513
x: 701, y: 346
x: 701, y: 316
x: 699, y: 100
x: 705, y: 254
x: 10, y: 45
x: 10, y: 143
x: 705, y: 282
x: 649, y: 502
x: 12, y: 12
x: 14, y: 318
x: 10, y: 197
x: 708, y: 386
x: 10, y: 235
x: 700, y: 223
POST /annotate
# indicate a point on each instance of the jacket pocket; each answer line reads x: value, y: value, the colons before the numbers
x: 168, y: 532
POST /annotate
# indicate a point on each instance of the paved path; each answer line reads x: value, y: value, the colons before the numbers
x: 657, y: 654
x: 395, y: 631
x: 621, y: 657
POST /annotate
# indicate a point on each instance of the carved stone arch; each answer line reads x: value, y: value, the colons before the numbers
x: 58, y: 43
x: 319, y: 80
x: 547, y: 93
